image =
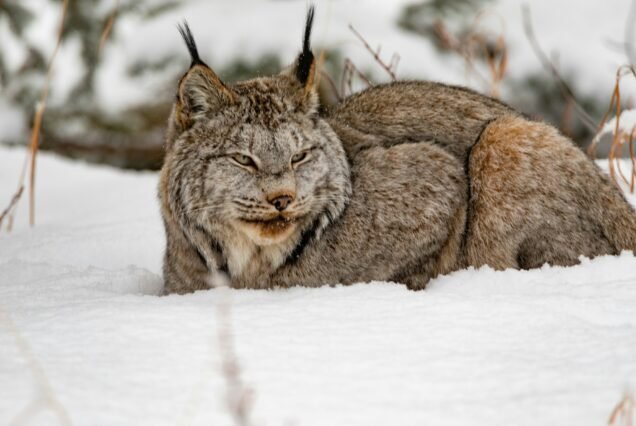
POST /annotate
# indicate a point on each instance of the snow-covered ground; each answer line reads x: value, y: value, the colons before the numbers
x: 82, y: 330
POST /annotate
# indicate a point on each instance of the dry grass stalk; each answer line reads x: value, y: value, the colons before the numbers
x: 350, y: 71
x: 478, y: 44
x: 14, y: 201
x: 624, y: 414
x: 33, y: 147
x: 390, y: 67
x: 239, y: 397
x: 9, y: 212
x: 35, y: 138
x: 567, y: 92
x: 108, y: 26
x: 45, y: 398
x: 39, y: 112
x: 620, y: 136
x: 18, y: 194
x: 497, y: 59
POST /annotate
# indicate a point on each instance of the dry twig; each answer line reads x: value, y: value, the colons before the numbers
x: 108, y: 26
x: 350, y: 70
x: 45, y: 398
x: 239, y: 397
x: 477, y: 44
x: 624, y: 413
x: 620, y: 136
x: 14, y: 201
x: 35, y: 136
x: 39, y: 112
x: 389, y: 68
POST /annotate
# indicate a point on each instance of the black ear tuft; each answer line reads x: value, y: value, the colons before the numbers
x: 185, y: 32
x: 306, y: 57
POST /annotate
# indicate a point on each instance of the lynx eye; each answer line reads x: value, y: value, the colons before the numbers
x: 244, y: 160
x: 297, y: 158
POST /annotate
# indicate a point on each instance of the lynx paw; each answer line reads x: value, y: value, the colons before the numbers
x: 416, y: 282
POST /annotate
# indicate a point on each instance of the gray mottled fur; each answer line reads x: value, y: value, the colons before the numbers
x: 401, y: 182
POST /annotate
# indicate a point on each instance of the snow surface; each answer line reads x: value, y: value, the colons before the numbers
x: 81, y: 325
x: 626, y: 123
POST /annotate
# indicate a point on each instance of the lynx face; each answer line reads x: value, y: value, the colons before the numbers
x: 251, y: 173
x: 264, y: 164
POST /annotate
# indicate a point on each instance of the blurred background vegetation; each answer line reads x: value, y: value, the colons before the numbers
x: 132, y: 138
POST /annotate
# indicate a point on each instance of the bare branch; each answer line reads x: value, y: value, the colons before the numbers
x: 375, y: 54
x: 344, y: 78
x: 39, y: 112
x: 395, y: 60
x: 357, y: 72
x: 14, y: 201
x: 469, y: 45
x: 619, y: 135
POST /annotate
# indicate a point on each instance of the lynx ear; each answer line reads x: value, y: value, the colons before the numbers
x: 304, y: 69
x: 201, y: 91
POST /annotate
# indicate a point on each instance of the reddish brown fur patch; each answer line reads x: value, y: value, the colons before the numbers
x: 536, y: 198
x: 275, y: 229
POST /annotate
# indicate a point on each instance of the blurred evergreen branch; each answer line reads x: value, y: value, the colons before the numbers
x: 242, y: 69
x: 423, y: 17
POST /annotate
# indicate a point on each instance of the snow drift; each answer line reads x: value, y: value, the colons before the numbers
x: 83, y: 336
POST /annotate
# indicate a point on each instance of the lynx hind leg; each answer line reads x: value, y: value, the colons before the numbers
x: 497, y: 197
x: 536, y: 198
x: 582, y: 211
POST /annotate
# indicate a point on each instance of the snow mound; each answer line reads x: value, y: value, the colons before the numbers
x: 80, y: 323
x: 65, y: 280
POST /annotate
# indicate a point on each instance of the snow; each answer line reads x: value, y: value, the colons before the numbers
x: 627, y: 123
x: 81, y: 325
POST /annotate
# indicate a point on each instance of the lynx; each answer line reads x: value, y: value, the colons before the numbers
x: 264, y: 187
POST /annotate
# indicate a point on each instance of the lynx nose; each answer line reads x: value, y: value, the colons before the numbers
x: 281, y: 201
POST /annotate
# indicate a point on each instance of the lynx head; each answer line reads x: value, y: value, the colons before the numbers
x: 255, y: 155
